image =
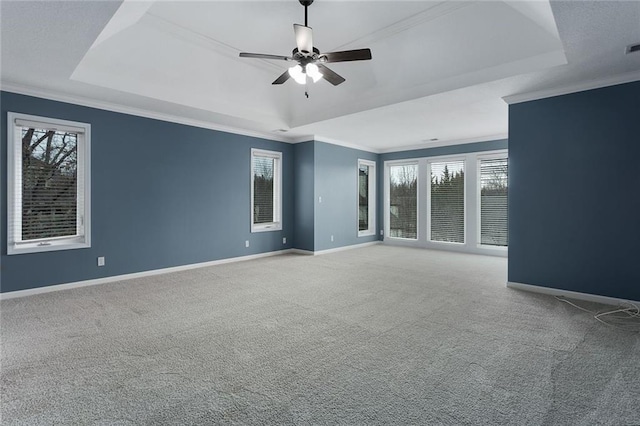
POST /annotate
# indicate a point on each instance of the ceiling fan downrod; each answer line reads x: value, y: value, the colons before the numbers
x: 306, y: 4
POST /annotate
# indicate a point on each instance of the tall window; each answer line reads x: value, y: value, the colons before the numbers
x: 266, y: 190
x: 493, y: 202
x: 446, y: 212
x: 48, y: 184
x: 403, y: 201
x: 366, y: 197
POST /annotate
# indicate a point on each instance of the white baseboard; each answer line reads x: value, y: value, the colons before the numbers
x: 305, y: 252
x: 572, y: 294
x: 333, y: 250
x: 86, y: 283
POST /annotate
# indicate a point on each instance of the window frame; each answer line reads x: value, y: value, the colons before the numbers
x: 83, y: 188
x: 490, y: 155
x: 387, y: 200
x: 276, y: 225
x: 371, y: 230
x: 446, y: 159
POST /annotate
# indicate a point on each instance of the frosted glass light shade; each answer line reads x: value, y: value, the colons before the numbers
x: 314, y: 72
x: 296, y: 73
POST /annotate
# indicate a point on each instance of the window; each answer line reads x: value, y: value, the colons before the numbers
x: 493, y: 202
x: 446, y: 199
x: 403, y: 201
x: 266, y: 190
x: 366, y: 197
x: 48, y: 184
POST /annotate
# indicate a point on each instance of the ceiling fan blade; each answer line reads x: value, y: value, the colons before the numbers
x: 331, y: 76
x: 264, y: 56
x: 304, y: 38
x: 347, y: 55
x: 284, y: 77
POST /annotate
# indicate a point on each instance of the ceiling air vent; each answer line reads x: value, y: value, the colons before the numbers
x: 281, y: 131
x: 633, y: 48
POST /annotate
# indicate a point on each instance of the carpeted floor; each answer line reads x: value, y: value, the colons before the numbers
x: 378, y: 335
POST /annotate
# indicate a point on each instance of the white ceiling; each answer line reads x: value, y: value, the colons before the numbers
x: 440, y: 69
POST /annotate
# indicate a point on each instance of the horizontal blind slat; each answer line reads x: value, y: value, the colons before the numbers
x: 493, y: 202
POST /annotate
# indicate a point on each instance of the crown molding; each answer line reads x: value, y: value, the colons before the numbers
x: 139, y: 112
x: 573, y: 88
x: 437, y: 144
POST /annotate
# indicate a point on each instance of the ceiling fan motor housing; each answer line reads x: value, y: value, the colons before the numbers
x: 304, y: 58
x: 306, y: 2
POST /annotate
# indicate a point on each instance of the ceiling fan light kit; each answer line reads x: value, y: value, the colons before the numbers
x: 310, y: 62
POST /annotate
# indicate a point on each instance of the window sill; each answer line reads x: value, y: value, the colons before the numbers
x: 266, y: 227
x: 51, y: 246
x: 366, y: 233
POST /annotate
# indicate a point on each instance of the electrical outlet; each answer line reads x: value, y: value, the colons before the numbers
x: 381, y: 232
x: 246, y: 243
x: 319, y: 200
x: 101, y: 261
x: 332, y: 238
x: 284, y: 240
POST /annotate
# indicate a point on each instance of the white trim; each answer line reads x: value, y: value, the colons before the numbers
x: 272, y: 136
x: 437, y: 144
x: 573, y: 88
x: 387, y: 198
x: 491, y: 155
x: 300, y: 251
x: 87, y: 283
x: 276, y: 225
x: 138, y: 112
x: 471, y: 220
x: 447, y: 159
x: 337, y: 249
x: 587, y: 297
x: 82, y: 239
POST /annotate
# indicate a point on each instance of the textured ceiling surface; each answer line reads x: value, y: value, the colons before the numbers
x: 440, y: 69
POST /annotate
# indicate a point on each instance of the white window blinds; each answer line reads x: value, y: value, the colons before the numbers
x: 493, y: 202
x: 266, y: 190
x: 447, y: 201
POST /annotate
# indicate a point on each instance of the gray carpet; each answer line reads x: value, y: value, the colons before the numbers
x: 379, y: 335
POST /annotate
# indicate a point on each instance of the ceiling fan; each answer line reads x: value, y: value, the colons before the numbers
x: 310, y: 62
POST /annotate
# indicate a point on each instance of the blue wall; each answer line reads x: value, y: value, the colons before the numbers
x: 304, y: 195
x: 574, y: 192
x: 336, y: 181
x: 163, y: 195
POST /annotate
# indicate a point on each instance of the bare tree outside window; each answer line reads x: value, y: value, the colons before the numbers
x: 49, y: 183
x: 403, y: 201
